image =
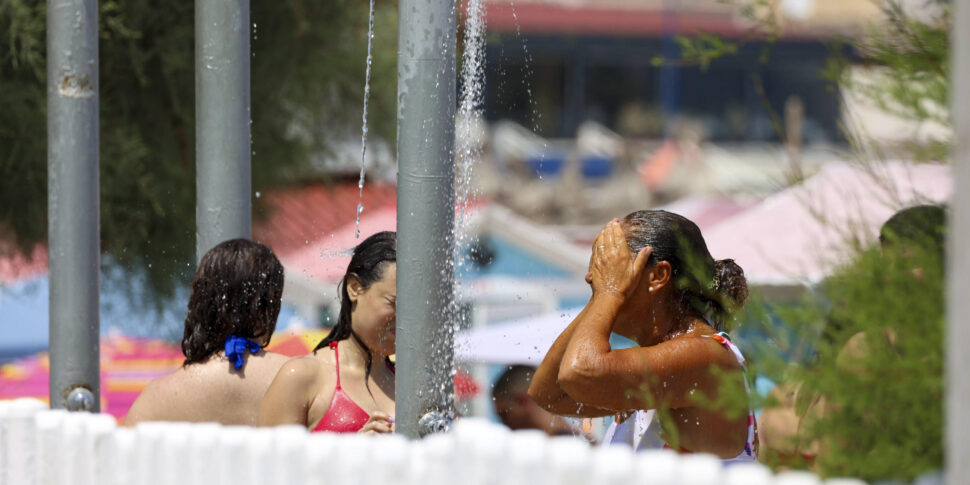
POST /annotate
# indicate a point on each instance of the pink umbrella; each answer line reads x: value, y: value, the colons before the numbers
x: 802, y: 234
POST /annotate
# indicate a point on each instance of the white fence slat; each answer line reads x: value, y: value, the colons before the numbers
x: 747, y: 474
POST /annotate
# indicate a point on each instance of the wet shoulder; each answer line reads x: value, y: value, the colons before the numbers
x: 160, y: 399
x: 270, y: 362
x: 307, y: 372
x: 701, y: 350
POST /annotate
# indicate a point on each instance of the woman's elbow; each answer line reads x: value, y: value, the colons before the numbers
x: 576, y: 380
x: 535, y: 394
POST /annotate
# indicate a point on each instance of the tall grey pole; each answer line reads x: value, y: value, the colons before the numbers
x: 72, y: 197
x: 958, y: 278
x: 425, y: 213
x: 223, y: 179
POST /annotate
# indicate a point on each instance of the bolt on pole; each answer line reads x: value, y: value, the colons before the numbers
x: 425, y: 214
x: 222, y: 123
x: 957, y: 422
x: 72, y: 198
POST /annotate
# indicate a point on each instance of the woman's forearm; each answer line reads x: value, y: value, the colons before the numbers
x: 545, y: 389
x: 590, y: 340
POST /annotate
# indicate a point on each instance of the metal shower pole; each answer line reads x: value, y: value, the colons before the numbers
x: 425, y: 214
x: 72, y: 198
x: 957, y: 422
x: 223, y: 178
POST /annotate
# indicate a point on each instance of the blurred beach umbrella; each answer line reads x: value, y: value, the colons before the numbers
x: 127, y: 365
x: 524, y: 341
x: 801, y: 235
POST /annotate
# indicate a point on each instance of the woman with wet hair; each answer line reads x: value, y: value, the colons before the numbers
x: 232, y: 314
x: 654, y: 282
x: 347, y: 384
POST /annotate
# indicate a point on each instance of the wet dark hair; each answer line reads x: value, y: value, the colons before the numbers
x: 918, y: 225
x: 236, y: 291
x: 714, y: 289
x: 371, y: 257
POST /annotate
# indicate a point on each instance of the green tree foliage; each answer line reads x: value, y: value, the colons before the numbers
x: 307, y: 92
x: 870, y: 397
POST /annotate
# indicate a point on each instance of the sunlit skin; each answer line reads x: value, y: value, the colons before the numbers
x: 582, y: 376
x: 210, y: 391
x: 303, y: 389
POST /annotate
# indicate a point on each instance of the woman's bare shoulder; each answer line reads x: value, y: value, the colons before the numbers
x: 154, y: 402
x: 275, y: 360
x: 698, y: 349
x: 303, y: 371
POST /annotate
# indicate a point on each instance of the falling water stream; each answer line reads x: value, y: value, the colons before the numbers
x: 468, y: 139
x: 363, y: 127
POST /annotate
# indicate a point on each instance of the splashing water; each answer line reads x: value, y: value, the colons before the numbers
x: 468, y: 140
x: 468, y: 148
x: 363, y: 127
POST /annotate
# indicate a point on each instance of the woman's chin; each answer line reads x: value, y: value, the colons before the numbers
x: 388, y: 345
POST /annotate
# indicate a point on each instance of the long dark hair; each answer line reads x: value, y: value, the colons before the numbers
x: 236, y: 290
x: 714, y: 289
x: 371, y: 257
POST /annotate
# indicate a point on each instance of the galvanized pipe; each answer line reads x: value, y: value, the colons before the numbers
x: 957, y: 421
x: 72, y: 197
x: 425, y: 214
x: 222, y: 123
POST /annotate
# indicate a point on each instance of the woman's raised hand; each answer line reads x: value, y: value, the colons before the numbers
x: 378, y: 423
x: 613, y: 270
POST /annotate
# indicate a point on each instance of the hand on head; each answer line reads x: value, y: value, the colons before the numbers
x: 613, y: 270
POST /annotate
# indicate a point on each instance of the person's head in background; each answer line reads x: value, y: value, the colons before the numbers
x: 916, y: 236
x: 517, y: 410
x: 237, y: 290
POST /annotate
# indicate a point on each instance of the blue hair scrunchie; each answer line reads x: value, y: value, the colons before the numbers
x: 236, y: 348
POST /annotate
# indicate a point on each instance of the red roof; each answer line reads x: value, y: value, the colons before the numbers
x: 15, y: 267
x: 295, y: 220
x: 590, y: 19
x: 297, y: 217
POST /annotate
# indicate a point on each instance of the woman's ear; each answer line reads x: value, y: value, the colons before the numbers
x: 660, y: 276
x: 354, y: 288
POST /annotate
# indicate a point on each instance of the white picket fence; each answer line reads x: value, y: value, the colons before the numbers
x: 43, y: 447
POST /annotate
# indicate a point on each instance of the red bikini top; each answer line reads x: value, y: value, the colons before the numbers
x: 344, y: 415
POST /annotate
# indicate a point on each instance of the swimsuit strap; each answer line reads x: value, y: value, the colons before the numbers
x: 725, y: 340
x: 336, y: 361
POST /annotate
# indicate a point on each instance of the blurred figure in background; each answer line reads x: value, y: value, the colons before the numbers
x: 232, y: 314
x: 908, y: 267
x: 517, y: 410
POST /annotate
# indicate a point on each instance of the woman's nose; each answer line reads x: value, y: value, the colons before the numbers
x: 589, y: 277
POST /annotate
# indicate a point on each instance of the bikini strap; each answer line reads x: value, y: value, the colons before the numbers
x: 724, y: 339
x: 336, y: 361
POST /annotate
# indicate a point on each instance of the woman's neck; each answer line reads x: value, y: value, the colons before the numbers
x: 356, y: 354
x: 670, y: 321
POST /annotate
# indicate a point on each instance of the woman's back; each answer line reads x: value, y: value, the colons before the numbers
x: 210, y: 391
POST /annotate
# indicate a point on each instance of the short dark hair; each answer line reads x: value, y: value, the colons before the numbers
x: 923, y: 225
x: 237, y: 290
x: 515, y: 379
